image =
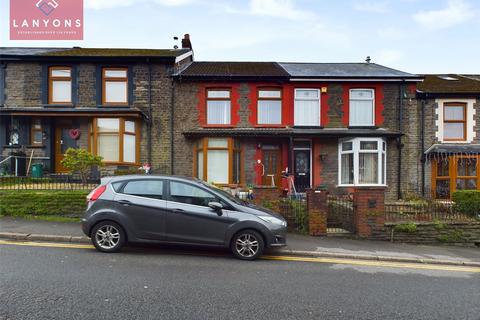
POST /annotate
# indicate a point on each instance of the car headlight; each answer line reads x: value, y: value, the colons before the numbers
x: 274, y: 220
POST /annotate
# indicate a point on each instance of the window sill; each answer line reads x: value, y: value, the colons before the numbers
x: 126, y: 106
x: 270, y: 126
x: 113, y: 163
x: 36, y: 146
x: 220, y: 126
x: 58, y: 105
x: 362, y: 127
x: 362, y: 186
x: 307, y: 127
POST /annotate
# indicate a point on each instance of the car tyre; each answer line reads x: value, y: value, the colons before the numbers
x: 247, y: 245
x: 108, y: 236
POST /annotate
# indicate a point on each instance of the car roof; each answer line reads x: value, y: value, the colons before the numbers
x: 148, y: 177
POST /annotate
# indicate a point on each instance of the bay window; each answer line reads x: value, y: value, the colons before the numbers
x: 218, y: 160
x: 307, y: 107
x: 219, y: 107
x: 115, y: 86
x: 362, y: 107
x: 454, y: 121
x: 362, y: 161
x: 116, y: 140
x: 452, y: 173
x: 269, y: 107
x: 60, y: 85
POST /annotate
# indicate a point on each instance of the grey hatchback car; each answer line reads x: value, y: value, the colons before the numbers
x: 178, y: 210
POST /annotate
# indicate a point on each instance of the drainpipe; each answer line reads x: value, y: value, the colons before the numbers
x: 422, y: 142
x: 399, y: 140
x: 172, y: 124
x: 150, y: 113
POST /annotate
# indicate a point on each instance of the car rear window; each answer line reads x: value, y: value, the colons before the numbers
x: 144, y: 188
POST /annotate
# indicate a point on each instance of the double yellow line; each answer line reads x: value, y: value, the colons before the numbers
x: 367, y: 263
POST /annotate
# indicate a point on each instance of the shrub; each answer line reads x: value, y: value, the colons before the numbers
x: 467, y: 202
x: 406, y: 227
x: 81, y: 161
x: 36, y: 202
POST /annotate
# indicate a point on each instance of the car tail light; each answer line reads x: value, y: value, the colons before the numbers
x: 96, y: 193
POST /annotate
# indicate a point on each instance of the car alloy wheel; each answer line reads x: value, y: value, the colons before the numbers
x: 108, y: 236
x: 247, y: 245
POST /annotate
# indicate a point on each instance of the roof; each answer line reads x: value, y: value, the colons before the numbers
x: 450, y: 84
x: 453, y: 148
x: 90, y: 52
x: 344, y: 70
x: 203, y: 69
x: 292, y: 132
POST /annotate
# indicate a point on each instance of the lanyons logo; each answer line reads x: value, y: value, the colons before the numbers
x: 46, y: 6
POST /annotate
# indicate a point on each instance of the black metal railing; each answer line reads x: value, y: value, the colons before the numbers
x: 50, y: 182
x: 424, y: 211
x: 340, y: 215
x: 296, y: 213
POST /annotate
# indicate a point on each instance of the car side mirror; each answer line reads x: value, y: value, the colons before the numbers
x: 216, y: 206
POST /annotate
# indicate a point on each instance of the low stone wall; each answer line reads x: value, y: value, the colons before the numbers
x: 464, y: 233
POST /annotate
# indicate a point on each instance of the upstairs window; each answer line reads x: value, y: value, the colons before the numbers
x: 60, y: 85
x: 269, y: 107
x: 454, y: 121
x: 115, y: 86
x: 307, y: 107
x: 219, y: 107
x: 362, y: 107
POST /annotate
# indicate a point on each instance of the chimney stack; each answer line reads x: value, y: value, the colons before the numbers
x: 186, y: 44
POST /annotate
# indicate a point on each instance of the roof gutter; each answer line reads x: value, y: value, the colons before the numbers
x: 370, y: 79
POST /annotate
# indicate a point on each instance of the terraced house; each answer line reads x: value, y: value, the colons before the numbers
x: 337, y: 125
x: 113, y: 102
x: 448, y: 135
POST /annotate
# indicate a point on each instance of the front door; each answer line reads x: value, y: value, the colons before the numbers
x: 272, y: 169
x: 63, y: 141
x: 190, y: 219
x: 302, y: 170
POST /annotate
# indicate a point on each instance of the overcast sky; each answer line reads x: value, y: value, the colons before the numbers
x: 417, y: 36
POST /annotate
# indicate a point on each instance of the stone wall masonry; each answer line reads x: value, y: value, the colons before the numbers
x: 317, y: 212
x: 369, y: 204
x: 23, y: 85
x: 462, y: 234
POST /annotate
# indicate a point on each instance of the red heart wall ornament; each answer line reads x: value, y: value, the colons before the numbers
x: 74, y: 134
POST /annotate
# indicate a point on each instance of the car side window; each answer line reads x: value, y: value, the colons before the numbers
x: 145, y: 188
x: 186, y: 193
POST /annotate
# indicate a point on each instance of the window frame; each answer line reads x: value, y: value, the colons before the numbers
x: 295, y: 99
x: 453, y: 173
x: 464, y: 121
x: 170, y: 199
x: 34, y: 130
x: 270, y: 99
x: 52, y: 78
x: 114, y: 79
x: 234, y: 148
x: 207, y: 99
x: 356, y: 151
x: 94, y: 134
x: 350, y: 124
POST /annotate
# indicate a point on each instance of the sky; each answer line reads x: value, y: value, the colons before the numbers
x: 416, y: 36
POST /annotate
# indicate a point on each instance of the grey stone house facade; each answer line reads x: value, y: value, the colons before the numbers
x: 334, y: 125
x: 446, y: 135
x: 113, y: 102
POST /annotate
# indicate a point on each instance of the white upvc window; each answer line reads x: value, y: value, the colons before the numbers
x: 269, y: 106
x: 362, y: 107
x: 219, y: 107
x: 307, y: 107
x: 362, y: 162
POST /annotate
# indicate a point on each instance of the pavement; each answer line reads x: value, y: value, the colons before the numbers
x: 67, y: 282
x: 298, y: 245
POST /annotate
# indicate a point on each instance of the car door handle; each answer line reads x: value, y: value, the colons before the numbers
x: 125, y: 203
x: 178, y: 210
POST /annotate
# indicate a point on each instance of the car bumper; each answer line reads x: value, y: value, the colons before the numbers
x: 278, y: 237
x: 85, y: 227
